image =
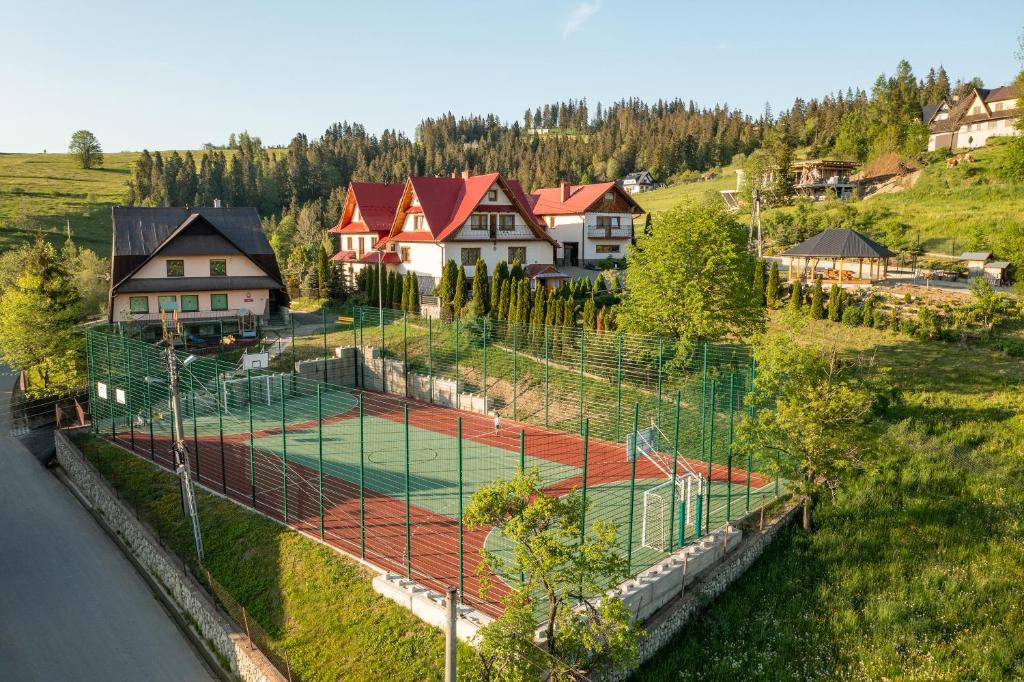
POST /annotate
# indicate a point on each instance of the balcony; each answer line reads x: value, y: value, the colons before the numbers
x: 609, y: 232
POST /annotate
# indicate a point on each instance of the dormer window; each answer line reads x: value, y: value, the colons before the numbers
x: 417, y: 222
x: 175, y: 268
x: 609, y: 196
x: 492, y: 195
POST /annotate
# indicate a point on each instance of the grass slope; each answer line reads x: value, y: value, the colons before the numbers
x: 916, y: 571
x: 315, y: 604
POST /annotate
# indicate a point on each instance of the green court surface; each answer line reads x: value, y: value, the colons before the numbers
x: 433, y: 460
x: 609, y: 502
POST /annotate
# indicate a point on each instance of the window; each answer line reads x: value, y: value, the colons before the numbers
x: 517, y: 253
x: 492, y: 195
x: 167, y: 303
x: 608, y: 222
x: 218, y: 268
x: 405, y: 254
x: 175, y: 268
x: 607, y: 248
x: 470, y: 256
x: 609, y: 196
x: 478, y: 221
x: 350, y: 243
x: 218, y: 301
x: 507, y: 222
x: 189, y: 303
x: 417, y: 222
x: 138, y: 304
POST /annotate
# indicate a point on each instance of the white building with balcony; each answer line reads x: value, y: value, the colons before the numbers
x: 592, y: 223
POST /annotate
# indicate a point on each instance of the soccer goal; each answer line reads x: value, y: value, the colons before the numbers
x: 659, y: 516
x: 265, y: 390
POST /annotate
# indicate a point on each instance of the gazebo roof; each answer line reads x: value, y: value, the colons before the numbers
x: 839, y: 243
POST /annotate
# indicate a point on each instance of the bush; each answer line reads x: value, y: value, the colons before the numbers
x: 852, y: 316
x: 879, y: 318
x: 907, y: 326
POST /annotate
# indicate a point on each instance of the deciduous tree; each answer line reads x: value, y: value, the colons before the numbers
x: 86, y: 148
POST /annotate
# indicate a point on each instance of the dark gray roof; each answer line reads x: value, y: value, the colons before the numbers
x: 170, y: 285
x: 839, y: 243
x: 975, y: 255
x: 929, y: 112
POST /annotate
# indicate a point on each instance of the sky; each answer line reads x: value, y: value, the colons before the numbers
x: 173, y: 75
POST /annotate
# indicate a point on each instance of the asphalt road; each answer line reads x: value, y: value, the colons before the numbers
x: 71, y: 605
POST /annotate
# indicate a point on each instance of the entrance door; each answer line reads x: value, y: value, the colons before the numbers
x: 572, y: 253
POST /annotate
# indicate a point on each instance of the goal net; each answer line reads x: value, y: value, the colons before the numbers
x: 262, y: 389
x: 665, y: 513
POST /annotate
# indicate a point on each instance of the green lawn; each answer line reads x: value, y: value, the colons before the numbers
x: 916, y: 571
x: 316, y: 605
x: 667, y: 197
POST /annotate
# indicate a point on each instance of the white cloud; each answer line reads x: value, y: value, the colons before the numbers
x: 580, y: 14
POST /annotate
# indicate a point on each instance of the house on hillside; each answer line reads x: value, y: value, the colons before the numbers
x: 969, y: 122
x: 981, y: 264
x: 464, y: 218
x: 365, y: 221
x: 815, y: 177
x: 639, y: 181
x: 214, y: 266
x: 591, y: 222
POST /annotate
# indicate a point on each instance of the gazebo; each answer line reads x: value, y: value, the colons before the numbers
x: 847, y: 251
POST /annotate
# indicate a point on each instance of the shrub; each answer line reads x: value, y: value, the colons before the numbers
x: 852, y: 316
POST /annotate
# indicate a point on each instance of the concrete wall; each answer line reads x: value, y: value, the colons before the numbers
x: 226, y: 639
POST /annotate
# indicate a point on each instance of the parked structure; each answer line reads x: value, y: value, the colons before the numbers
x: 463, y: 218
x: 969, y: 122
x: 365, y: 221
x: 591, y: 223
x: 981, y: 264
x: 814, y: 178
x: 640, y: 181
x: 214, y: 266
x: 840, y: 249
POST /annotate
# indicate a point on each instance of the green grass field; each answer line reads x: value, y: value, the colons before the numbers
x: 916, y: 570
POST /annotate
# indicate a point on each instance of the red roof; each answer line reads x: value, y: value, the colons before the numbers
x: 350, y: 228
x: 548, y: 200
x: 346, y: 256
x: 447, y: 203
x: 374, y: 257
x: 376, y: 201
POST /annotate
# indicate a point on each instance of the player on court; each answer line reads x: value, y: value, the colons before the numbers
x: 497, y: 424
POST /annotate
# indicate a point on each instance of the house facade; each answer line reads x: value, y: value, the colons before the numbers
x: 640, y: 181
x: 591, y: 223
x: 463, y: 219
x: 365, y: 221
x: 969, y: 122
x: 210, y: 265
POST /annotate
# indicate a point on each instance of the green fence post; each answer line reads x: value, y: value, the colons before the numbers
x: 583, y: 339
x: 586, y: 444
x: 128, y: 400
x: 632, y: 486
x: 355, y: 342
x: 661, y: 352
x: 323, y: 320
x: 458, y: 446
x: 362, y: 482
x: 284, y: 452
x: 728, y: 461
x: 515, y: 368
x: 711, y: 450
x: 149, y: 408
x: 362, y: 351
x: 195, y: 429
x: 252, y: 468
x: 675, y: 473
x: 457, y: 387
x: 408, y: 514
x: 405, y: 351
x: 220, y: 327
x: 486, y: 332
x: 547, y: 363
x: 320, y: 454
x: 110, y: 392
x: 430, y: 358
x: 89, y: 378
x: 750, y: 454
x: 522, y: 450
x: 618, y: 388
x: 220, y: 430
x: 383, y: 366
x: 291, y: 319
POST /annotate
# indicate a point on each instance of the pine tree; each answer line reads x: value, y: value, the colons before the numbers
x: 414, y: 305
x: 771, y: 295
x: 406, y: 292
x: 370, y: 281
x: 497, y: 280
x: 516, y: 271
x: 568, y: 313
x: 601, y: 285
x: 759, y: 283
x: 504, y: 300
x: 590, y: 315
x: 835, y: 303
x: 481, y: 300
x: 817, y: 309
x: 868, y: 314
x: 796, y: 296
x: 459, y: 297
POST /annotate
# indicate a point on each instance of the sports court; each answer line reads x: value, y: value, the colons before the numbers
x: 387, y: 478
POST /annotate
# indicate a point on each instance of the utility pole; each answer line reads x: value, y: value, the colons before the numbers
x: 757, y: 210
x: 179, y: 449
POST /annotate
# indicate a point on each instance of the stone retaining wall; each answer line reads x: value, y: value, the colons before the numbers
x: 189, y: 598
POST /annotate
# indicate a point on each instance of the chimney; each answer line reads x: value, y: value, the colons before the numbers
x: 565, y: 191
x: 465, y: 175
x: 454, y: 174
x: 216, y: 203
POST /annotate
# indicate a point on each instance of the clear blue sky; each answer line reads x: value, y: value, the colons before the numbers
x: 177, y: 74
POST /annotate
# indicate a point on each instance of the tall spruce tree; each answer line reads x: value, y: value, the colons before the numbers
x: 771, y: 294
x: 835, y: 303
x: 459, y: 297
x: 759, y: 280
x: 817, y: 294
x: 796, y: 297
x: 481, y: 302
x: 504, y: 300
x: 590, y: 315
x: 500, y: 277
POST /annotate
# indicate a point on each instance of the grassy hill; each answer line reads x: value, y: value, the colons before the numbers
x: 42, y: 193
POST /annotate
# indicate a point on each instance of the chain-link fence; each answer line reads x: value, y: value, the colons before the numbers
x: 373, y: 429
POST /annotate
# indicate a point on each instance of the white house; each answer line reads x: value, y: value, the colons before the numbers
x: 365, y: 220
x: 591, y: 223
x: 969, y: 122
x: 639, y: 181
x: 463, y: 219
x: 214, y: 266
